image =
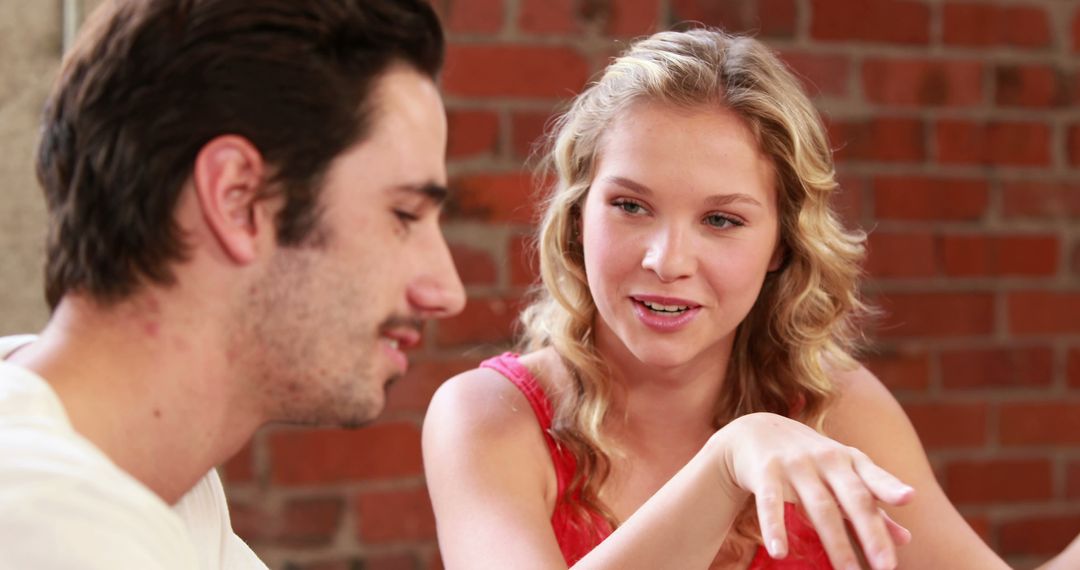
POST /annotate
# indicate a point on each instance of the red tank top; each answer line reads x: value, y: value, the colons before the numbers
x: 805, y: 549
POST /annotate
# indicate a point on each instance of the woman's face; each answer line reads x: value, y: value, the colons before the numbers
x: 679, y: 229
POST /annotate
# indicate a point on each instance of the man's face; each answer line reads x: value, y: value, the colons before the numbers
x: 331, y: 320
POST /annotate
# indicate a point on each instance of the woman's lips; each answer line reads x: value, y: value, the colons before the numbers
x: 665, y: 323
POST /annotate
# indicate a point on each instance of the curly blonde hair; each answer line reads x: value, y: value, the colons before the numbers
x: 806, y: 316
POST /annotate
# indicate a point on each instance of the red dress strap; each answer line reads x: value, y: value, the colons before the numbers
x: 509, y: 366
x: 576, y: 536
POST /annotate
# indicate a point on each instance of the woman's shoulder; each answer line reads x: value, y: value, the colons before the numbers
x: 480, y: 423
x: 493, y: 398
x: 863, y: 412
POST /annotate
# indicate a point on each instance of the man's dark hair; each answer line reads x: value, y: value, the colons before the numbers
x: 150, y: 82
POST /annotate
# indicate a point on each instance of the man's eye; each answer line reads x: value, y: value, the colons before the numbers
x: 406, y: 217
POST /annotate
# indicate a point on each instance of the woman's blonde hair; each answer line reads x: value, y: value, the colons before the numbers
x: 805, y: 317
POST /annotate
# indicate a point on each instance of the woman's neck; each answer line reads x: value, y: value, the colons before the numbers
x: 662, y: 402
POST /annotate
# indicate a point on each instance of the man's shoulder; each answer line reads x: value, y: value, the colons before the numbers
x: 48, y: 471
x: 101, y: 517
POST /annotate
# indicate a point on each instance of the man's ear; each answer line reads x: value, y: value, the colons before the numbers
x: 228, y: 176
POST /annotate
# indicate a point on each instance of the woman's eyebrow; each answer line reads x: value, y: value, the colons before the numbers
x: 714, y: 201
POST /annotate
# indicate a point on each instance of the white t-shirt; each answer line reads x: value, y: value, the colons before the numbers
x: 64, y: 504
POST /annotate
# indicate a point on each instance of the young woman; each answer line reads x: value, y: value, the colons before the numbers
x: 688, y: 397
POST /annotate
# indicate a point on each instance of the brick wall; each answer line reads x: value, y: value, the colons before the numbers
x: 958, y: 137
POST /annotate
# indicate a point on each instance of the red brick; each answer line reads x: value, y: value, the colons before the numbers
x: 302, y: 522
x: 506, y: 197
x: 731, y: 15
x: 885, y: 139
x: 310, y: 521
x: 481, y: 71
x: 778, y: 18
x: 471, y: 16
x: 471, y: 133
x: 922, y: 198
x: 1044, y: 312
x: 890, y: 21
x: 943, y: 426
x: 996, y: 143
x: 971, y: 24
x: 1072, y: 368
x: 901, y: 255
x: 1076, y: 32
x: 847, y: 199
x: 901, y: 370
x: 395, y: 516
x: 998, y: 481
x: 413, y: 392
x: 249, y: 522
x: 240, y: 468
x: 982, y: 255
x: 1035, y: 199
x: 980, y: 524
x: 823, y: 74
x: 633, y: 17
x: 1029, y: 86
x: 488, y: 320
x: 936, y: 315
x: 921, y: 82
x: 387, y: 562
x: 524, y: 261
x: 527, y: 132
x: 320, y: 456
x: 549, y: 17
x: 1074, y: 145
x: 368, y: 562
x: 1072, y: 479
x: 474, y: 265
x: 997, y: 368
x: 1040, y: 423
x: 1041, y: 534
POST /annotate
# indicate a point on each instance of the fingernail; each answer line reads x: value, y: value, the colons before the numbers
x: 852, y: 566
x: 776, y: 548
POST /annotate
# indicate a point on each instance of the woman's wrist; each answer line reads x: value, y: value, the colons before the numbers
x: 719, y: 448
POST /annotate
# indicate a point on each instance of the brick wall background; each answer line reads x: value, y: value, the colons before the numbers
x: 957, y: 125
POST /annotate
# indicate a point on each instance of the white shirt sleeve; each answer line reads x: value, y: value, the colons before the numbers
x: 73, y: 525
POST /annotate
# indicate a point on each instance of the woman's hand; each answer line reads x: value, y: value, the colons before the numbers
x: 778, y: 459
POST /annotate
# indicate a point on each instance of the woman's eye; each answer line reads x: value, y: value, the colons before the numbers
x: 629, y: 207
x: 721, y: 221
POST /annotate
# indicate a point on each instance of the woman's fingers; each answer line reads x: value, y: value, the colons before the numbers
x: 770, y: 508
x: 900, y: 535
x: 882, y: 484
x: 820, y: 506
x: 860, y: 507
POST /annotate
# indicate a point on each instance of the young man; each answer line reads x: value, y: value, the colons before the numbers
x: 243, y: 208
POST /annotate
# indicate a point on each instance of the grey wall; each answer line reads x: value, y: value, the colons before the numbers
x: 30, y: 51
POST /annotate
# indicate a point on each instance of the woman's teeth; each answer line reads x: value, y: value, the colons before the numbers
x: 656, y: 307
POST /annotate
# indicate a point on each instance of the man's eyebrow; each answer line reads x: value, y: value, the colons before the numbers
x: 714, y: 201
x: 436, y: 193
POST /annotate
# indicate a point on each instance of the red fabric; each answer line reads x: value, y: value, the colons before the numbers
x: 574, y: 540
x: 804, y: 546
